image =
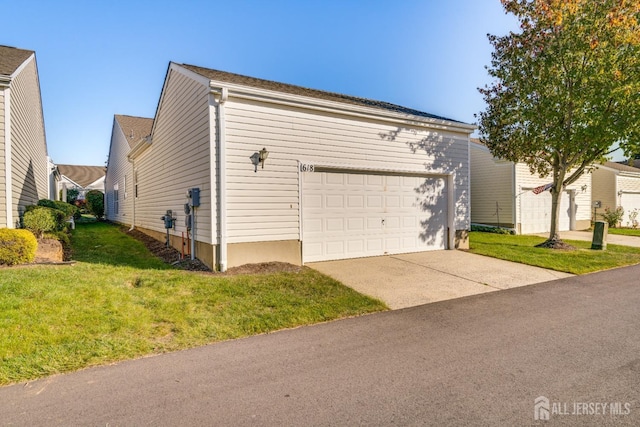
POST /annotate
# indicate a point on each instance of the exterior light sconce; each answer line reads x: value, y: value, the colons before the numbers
x: 258, y: 158
x: 584, y: 188
x: 619, y: 192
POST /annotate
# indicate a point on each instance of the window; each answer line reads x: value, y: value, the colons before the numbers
x: 135, y: 184
x: 116, y: 198
x: 124, y: 184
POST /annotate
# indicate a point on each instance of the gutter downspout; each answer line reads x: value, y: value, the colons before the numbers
x: 222, y: 181
x: 133, y: 207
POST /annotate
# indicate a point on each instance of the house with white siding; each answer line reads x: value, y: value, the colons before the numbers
x: 81, y: 178
x: 502, y: 195
x: 617, y: 185
x: 120, y: 191
x: 24, y: 165
x: 291, y: 174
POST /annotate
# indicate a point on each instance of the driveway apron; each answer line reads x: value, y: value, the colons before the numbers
x: 413, y: 279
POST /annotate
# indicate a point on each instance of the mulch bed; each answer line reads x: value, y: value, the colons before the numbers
x: 172, y: 256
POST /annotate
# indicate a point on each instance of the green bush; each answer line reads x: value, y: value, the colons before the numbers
x: 491, y: 229
x: 17, y: 246
x: 613, y: 217
x: 41, y: 219
x: 68, y: 209
x: 95, y: 203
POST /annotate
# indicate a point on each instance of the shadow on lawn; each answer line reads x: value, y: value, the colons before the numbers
x: 105, y: 243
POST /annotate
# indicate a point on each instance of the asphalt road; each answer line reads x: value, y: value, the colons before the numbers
x: 479, y: 360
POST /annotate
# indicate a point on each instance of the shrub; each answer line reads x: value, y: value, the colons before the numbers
x: 72, y: 195
x: 17, y: 246
x: 41, y: 219
x: 68, y: 209
x: 95, y: 203
x: 491, y: 229
x: 633, y: 219
x: 613, y: 217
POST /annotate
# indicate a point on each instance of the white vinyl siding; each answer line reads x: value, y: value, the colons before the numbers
x: 604, y: 189
x: 117, y: 168
x: 263, y: 206
x: 29, y: 152
x: 178, y: 159
x: 492, y: 188
x: 3, y: 189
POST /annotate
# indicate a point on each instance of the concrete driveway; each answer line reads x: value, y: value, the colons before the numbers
x: 419, y: 278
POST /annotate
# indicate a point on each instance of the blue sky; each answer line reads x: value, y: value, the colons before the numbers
x: 100, y: 58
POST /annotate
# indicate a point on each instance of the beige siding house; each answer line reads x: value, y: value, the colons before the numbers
x: 501, y: 195
x: 24, y: 166
x: 81, y: 178
x: 616, y: 185
x: 292, y: 174
x: 120, y: 186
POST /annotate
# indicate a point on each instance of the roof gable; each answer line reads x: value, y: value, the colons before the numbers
x: 134, y: 128
x: 226, y: 77
x: 11, y: 58
x: 621, y: 167
x: 83, y: 175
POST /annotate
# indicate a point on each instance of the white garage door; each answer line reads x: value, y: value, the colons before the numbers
x: 535, y: 212
x: 350, y: 215
x: 629, y: 201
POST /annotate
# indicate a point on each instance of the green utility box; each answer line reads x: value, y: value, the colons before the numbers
x: 600, y: 230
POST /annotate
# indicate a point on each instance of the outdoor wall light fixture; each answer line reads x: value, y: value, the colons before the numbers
x: 258, y: 158
x: 584, y: 188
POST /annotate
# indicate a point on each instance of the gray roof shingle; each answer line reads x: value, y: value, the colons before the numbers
x: 224, y: 76
x: 82, y: 175
x: 11, y: 58
x: 134, y: 128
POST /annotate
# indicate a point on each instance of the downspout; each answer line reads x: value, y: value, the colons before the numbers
x: 222, y: 181
x: 133, y: 207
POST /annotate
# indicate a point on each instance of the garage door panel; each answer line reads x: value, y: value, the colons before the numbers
x: 629, y: 201
x: 535, y: 216
x: 369, y: 215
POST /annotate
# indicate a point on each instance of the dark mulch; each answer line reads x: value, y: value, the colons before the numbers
x: 555, y: 243
x: 172, y: 256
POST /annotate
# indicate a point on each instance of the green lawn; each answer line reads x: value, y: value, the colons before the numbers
x: 625, y: 231
x: 119, y: 302
x: 582, y: 260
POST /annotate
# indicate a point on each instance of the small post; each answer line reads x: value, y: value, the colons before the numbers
x: 600, y: 230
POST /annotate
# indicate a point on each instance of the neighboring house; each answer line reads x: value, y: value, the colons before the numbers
x: 502, y: 194
x: 24, y: 166
x: 615, y: 185
x: 119, y: 183
x: 81, y: 178
x: 345, y: 177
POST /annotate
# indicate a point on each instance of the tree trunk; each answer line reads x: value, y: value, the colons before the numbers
x: 556, y: 194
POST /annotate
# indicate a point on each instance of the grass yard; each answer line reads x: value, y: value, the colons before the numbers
x: 625, y: 231
x: 120, y: 302
x: 580, y: 261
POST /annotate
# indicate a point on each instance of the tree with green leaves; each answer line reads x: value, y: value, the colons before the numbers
x: 565, y: 90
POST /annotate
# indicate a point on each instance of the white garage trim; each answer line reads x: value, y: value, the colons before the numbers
x: 397, y: 210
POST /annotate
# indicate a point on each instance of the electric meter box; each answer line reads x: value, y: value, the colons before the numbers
x: 194, y: 195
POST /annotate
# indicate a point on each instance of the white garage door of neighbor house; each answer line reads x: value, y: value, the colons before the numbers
x: 629, y: 201
x: 351, y: 215
x: 535, y: 216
